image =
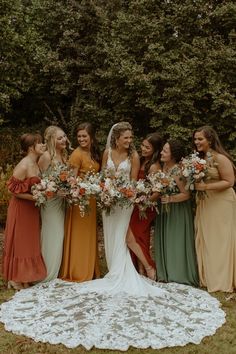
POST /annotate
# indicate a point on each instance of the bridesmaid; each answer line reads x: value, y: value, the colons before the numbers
x: 174, y: 227
x: 80, y: 255
x: 138, y: 235
x: 216, y: 215
x: 22, y: 260
x: 53, y: 212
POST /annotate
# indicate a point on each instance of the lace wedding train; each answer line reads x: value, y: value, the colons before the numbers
x: 72, y: 314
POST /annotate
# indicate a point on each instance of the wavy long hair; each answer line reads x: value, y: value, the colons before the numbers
x: 50, y: 140
x: 214, y: 142
x: 156, y: 141
x: 94, y: 150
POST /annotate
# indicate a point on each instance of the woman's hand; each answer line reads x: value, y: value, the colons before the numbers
x: 61, y: 193
x: 165, y: 199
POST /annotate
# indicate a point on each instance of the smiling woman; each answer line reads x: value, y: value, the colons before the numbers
x: 80, y: 254
x: 216, y: 215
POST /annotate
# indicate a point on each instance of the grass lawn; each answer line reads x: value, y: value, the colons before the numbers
x: 223, y: 342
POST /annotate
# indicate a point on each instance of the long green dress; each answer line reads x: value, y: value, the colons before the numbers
x: 174, y: 243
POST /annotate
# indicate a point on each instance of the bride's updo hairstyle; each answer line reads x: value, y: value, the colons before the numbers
x: 117, y: 131
x: 27, y: 140
x: 50, y: 141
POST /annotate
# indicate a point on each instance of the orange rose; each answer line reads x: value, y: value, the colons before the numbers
x: 82, y: 191
x: 63, y: 176
x: 49, y: 194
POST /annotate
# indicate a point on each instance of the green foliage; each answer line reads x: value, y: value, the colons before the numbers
x: 162, y: 65
x: 5, y: 174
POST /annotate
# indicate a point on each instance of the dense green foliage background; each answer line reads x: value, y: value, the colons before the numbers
x: 163, y: 65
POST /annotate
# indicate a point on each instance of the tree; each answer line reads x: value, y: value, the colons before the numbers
x: 166, y: 65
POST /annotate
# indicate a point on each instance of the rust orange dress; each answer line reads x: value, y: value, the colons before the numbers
x: 22, y: 259
x: 80, y: 251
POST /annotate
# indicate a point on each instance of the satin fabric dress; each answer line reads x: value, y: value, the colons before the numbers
x: 22, y: 259
x: 141, y: 229
x: 80, y: 250
x: 215, y: 225
x: 52, y: 234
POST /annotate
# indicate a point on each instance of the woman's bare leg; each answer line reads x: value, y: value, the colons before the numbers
x: 134, y: 246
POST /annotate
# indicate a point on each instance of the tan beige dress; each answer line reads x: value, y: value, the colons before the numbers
x: 216, y: 237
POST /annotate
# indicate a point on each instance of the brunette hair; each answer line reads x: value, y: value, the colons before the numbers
x: 29, y: 139
x: 177, y: 149
x: 213, y: 139
x: 156, y: 141
x: 95, y: 151
x: 50, y: 140
x: 214, y: 142
x: 117, y: 130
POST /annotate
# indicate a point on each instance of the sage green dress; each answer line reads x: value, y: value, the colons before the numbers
x: 174, y: 243
x: 52, y: 234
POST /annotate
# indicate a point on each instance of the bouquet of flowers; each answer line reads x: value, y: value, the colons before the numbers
x: 82, y: 189
x: 194, y: 170
x: 163, y: 184
x: 43, y: 190
x: 52, y: 181
x: 115, y: 189
x: 141, y: 199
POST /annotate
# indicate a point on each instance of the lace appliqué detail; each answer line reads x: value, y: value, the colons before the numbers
x: 63, y: 312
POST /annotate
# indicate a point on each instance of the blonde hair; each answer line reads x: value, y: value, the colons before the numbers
x: 50, y: 140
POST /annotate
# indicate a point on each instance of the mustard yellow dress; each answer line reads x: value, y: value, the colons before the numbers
x: 80, y: 251
x: 216, y: 237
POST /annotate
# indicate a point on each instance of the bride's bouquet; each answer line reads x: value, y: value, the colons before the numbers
x: 194, y: 170
x: 115, y: 190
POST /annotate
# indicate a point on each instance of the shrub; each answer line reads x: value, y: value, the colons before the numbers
x: 5, y: 174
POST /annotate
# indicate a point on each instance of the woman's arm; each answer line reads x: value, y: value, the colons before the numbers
x: 153, y: 169
x: 226, y: 173
x: 135, y: 166
x: 44, y: 161
x: 20, y: 172
x: 179, y: 197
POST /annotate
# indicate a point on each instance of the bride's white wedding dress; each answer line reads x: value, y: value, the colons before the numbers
x: 123, y: 309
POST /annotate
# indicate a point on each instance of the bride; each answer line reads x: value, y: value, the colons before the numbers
x: 123, y: 309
